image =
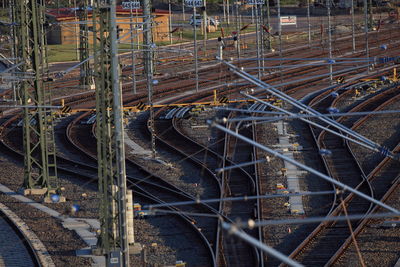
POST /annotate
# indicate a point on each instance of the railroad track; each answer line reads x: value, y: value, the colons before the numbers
x: 153, y: 190
x: 383, y: 174
x: 170, y: 82
x: 238, y: 152
x: 210, y: 165
x: 15, y: 242
x: 327, y: 237
x: 169, y: 132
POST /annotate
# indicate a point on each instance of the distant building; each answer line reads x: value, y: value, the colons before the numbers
x: 65, y: 29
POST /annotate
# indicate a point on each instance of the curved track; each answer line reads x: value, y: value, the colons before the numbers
x: 327, y: 238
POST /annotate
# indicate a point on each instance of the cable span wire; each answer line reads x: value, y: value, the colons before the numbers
x: 252, y: 224
x: 245, y: 198
x: 297, y: 116
x: 300, y: 165
x: 232, y: 229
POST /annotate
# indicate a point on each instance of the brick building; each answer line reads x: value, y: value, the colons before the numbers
x: 65, y: 29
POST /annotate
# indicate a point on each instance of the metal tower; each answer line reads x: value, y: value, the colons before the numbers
x: 110, y: 144
x: 40, y: 170
x: 148, y: 55
x: 85, y: 75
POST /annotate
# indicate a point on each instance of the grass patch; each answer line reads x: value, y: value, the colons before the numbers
x: 61, y: 53
x: 188, y: 35
x: 67, y: 52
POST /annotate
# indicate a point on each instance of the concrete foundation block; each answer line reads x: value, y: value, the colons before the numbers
x: 34, y: 191
x: 135, y: 248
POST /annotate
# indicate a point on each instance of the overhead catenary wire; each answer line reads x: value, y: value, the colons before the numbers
x: 232, y: 229
x: 244, y: 198
x: 305, y: 59
x: 317, y: 219
x: 297, y: 116
x: 304, y: 65
x: 326, y: 128
x: 304, y: 167
x: 271, y: 89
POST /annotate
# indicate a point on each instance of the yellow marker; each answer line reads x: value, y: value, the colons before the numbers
x: 215, y: 97
x: 62, y: 102
x: 394, y: 75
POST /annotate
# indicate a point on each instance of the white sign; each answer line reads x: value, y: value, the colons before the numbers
x: 194, y: 3
x: 255, y: 2
x: 288, y: 20
x: 131, y: 5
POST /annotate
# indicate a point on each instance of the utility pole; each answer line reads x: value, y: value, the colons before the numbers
x: 132, y: 49
x: 280, y: 37
x: 170, y: 22
x: 149, y: 67
x: 183, y: 10
x: 76, y: 31
x: 237, y: 22
x: 328, y: 9
x: 224, y: 9
x: 262, y: 41
x: 228, y: 11
x: 366, y: 32
x: 257, y: 17
x: 252, y: 14
x: 40, y: 169
x: 14, y: 47
x: 269, y: 46
x: 85, y: 74
x: 353, y: 35
x: 113, y: 241
x: 371, y: 19
x: 195, y: 48
x: 205, y: 24
x: 309, y: 23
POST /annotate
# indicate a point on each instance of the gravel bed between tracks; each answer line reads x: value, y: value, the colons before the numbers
x: 156, y: 250
x: 286, y: 237
x: 60, y: 243
x: 68, y: 90
x: 383, y: 129
x: 276, y: 236
x: 169, y: 166
x: 197, y: 128
x: 379, y: 246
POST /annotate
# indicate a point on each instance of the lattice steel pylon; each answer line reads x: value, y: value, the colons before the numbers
x: 85, y: 80
x: 110, y: 144
x: 40, y: 170
x: 148, y: 61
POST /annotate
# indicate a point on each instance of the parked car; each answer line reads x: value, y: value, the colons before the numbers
x: 199, y: 19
